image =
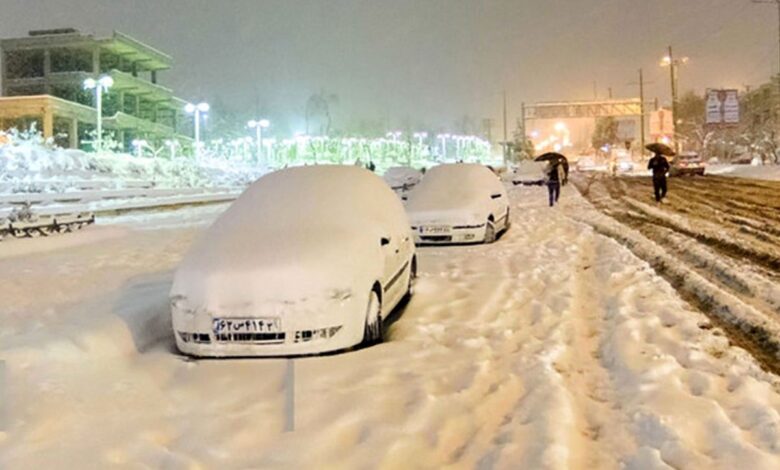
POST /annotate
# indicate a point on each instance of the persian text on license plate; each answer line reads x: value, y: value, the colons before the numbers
x: 435, y: 229
x: 247, y: 325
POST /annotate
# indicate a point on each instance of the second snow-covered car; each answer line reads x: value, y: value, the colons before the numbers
x: 458, y: 203
x: 308, y: 260
x: 402, y: 178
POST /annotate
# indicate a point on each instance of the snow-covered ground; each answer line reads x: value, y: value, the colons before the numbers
x: 554, y: 348
x: 761, y: 172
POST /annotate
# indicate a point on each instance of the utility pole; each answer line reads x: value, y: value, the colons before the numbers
x: 777, y: 77
x: 642, y: 111
x: 506, y: 138
x: 776, y: 2
x: 610, y: 92
x: 674, y: 64
x: 673, y: 72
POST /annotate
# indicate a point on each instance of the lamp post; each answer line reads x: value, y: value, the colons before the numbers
x: 420, y: 136
x: 258, y: 126
x: 100, y: 85
x: 139, y: 145
x: 674, y: 64
x: 172, y: 144
x: 443, y: 138
x: 197, y: 110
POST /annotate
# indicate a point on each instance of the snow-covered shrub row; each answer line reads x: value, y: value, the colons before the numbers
x: 33, y: 165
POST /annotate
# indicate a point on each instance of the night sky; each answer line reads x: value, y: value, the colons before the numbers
x: 424, y: 61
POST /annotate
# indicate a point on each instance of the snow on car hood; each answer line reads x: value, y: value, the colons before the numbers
x: 297, y: 233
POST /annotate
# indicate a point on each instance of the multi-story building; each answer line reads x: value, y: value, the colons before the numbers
x: 42, y: 82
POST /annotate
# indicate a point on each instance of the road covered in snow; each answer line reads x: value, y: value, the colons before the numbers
x: 558, y: 347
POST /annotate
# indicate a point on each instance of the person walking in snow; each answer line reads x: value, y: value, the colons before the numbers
x: 554, y: 178
x: 660, y: 166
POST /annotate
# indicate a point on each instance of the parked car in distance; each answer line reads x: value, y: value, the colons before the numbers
x: 458, y: 203
x: 687, y: 164
x: 529, y: 173
x: 308, y: 260
x: 586, y: 163
x: 402, y: 178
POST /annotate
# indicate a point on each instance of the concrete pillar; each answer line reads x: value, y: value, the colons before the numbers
x: 137, y: 106
x: 48, y: 123
x: 121, y: 103
x: 134, y: 69
x: 73, y: 134
x: 47, y: 71
x: 154, y: 76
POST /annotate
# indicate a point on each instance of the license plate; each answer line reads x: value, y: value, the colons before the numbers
x: 246, y: 325
x: 435, y: 229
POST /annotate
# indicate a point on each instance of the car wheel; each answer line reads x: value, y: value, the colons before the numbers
x: 412, y: 278
x: 490, y: 233
x: 372, y: 333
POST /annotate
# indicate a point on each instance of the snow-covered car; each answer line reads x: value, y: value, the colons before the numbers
x: 308, y: 260
x: 458, y: 203
x: 402, y: 178
x: 529, y: 173
x: 586, y: 163
x: 687, y: 164
x: 624, y: 165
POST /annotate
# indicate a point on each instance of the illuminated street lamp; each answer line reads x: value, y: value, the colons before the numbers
x: 443, y: 138
x: 258, y: 126
x: 674, y: 64
x: 197, y: 110
x: 172, y: 144
x: 100, y: 85
x: 394, y: 136
x: 139, y: 145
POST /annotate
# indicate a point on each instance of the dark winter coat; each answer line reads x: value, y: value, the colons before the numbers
x: 555, y: 173
x: 659, y: 165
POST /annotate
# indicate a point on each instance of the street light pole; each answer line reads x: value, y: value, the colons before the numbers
x: 776, y: 2
x: 642, y: 111
x: 258, y: 125
x: 100, y: 85
x: 674, y: 64
x: 196, y: 111
x: 673, y: 72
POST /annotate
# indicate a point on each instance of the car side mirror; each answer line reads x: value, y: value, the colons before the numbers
x: 384, y: 241
x: 495, y: 196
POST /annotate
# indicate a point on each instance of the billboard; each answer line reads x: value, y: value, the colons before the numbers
x: 661, y: 124
x: 722, y: 107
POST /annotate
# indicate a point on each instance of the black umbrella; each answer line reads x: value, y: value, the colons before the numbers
x: 661, y: 149
x: 551, y: 156
x: 555, y: 157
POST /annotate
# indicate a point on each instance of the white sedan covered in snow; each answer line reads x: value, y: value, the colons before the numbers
x: 307, y: 260
x: 458, y: 203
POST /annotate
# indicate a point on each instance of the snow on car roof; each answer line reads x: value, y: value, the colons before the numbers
x: 301, y: 213
x: 452, y: 186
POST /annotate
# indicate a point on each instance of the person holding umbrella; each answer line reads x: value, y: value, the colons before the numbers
x: 556, y: 174
x: 660, y: 167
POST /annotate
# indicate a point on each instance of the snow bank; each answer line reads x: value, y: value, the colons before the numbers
x: 30, y: 166
x: 761, y: 172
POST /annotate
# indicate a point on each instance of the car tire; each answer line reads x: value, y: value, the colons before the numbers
x: 412, y: 278
x: 373, y: 332
x: 490, y: 233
